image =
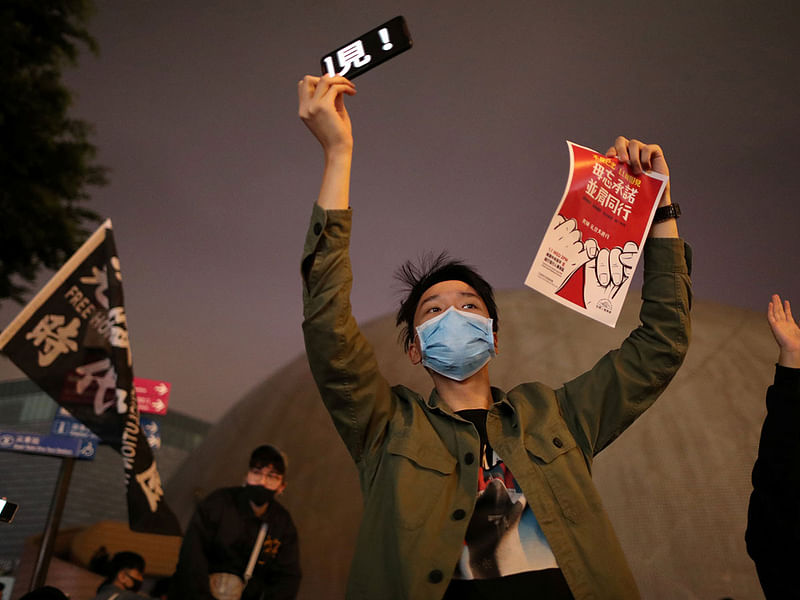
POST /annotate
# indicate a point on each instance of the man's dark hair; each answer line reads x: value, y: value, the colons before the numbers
x: 417, y: 278
x: 47, y: 592
x: 125, y: 560
x: 269, y: 456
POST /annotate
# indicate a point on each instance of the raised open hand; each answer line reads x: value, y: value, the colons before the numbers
x: 786, y: 332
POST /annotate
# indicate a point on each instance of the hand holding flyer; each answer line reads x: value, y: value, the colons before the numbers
x: 591, y: 249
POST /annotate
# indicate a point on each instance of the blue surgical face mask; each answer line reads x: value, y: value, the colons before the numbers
x: 456, y: 344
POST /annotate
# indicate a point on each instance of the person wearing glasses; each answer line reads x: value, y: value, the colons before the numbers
x: 241, y: 542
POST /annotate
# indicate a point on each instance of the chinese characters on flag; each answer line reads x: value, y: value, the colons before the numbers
x: 72, y: 340
x: 594, y: 241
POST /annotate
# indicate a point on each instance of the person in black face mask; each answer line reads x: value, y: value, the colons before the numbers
x: 125, y: 577
x: 236, y: 527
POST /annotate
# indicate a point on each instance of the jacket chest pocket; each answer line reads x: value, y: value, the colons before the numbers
x: 415, y: 474
x: 561, y: 462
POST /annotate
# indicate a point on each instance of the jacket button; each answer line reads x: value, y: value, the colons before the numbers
x: 557, y: 442
x: 469, y: 458
x: 435, y: 576
x: 317, y: 228
x: 459, y: 514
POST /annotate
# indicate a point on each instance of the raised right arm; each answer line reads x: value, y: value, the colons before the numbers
x: 321, y: 108
x: 773, y: 521
x: 343, y: 363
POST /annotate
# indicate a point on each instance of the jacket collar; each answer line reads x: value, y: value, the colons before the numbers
x: 499, y: 400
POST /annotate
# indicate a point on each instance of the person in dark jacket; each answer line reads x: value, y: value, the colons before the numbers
x: 773, y: 520
x: 225, y: 528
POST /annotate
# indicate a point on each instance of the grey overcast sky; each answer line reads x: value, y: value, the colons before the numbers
x: 459, y: 146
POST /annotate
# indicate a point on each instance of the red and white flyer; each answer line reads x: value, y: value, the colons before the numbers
x: 593, y: 244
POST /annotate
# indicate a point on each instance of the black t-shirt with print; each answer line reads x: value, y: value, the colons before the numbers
x: 505, y: 552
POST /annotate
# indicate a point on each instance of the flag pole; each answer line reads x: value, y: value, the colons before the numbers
x: 53, y: 521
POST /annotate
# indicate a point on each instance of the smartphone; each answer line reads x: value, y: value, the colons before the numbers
x: 7, y: 510
x: 369, y: 50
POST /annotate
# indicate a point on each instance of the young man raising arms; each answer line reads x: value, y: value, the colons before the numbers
x: 476, y: 492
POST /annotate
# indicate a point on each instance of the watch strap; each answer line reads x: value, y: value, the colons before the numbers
x: 664, y: 213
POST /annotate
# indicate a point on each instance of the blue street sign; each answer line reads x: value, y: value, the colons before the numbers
x: 70, y: 426
x: 65, y: 424
x: 51, y: 445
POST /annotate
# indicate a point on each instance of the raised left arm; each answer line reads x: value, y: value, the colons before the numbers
x: 602, y: 402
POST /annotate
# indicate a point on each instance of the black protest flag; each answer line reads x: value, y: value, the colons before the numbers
x: 72, y: 340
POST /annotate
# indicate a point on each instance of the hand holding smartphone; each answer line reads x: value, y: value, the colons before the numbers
x: 7, y: 510
x: 369, y: 50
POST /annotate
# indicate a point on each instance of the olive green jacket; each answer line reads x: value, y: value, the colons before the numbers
x: 415, y: 457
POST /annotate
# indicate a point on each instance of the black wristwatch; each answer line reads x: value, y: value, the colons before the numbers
x: 665, y: 213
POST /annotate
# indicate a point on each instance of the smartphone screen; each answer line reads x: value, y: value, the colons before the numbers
x: 369, y: 50
x: 7, y: 510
